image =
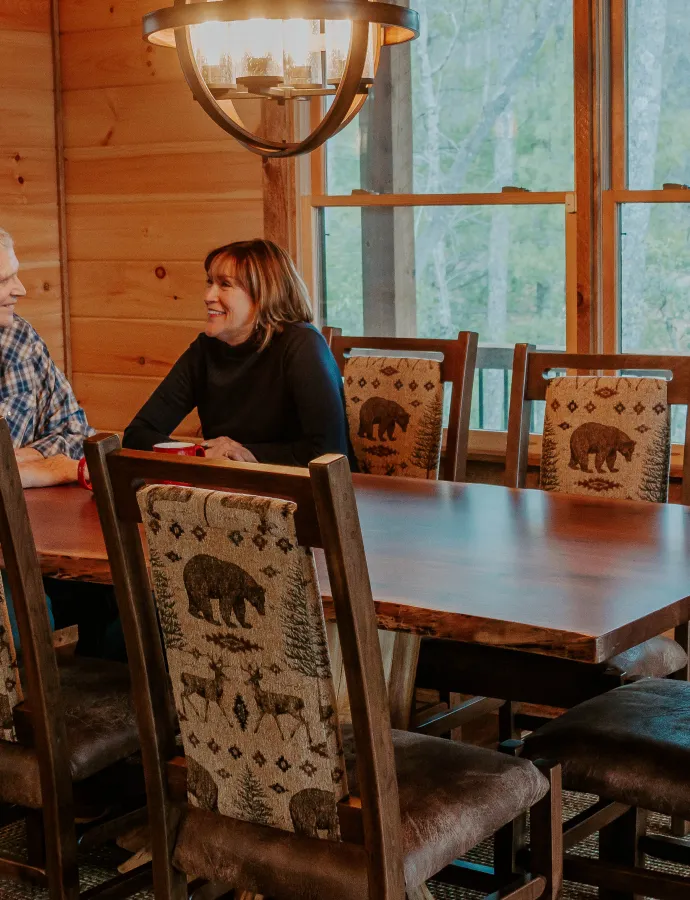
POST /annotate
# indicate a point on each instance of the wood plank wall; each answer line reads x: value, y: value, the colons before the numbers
x: 28, y: 174
x: 152, y: 185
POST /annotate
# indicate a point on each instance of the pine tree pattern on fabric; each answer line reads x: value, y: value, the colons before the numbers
x: 10, y: 685
x: 244, y: 633
x: 549, y: 457
x: 607, y: 436
x: 170, y: 624
x: 428, y: 445
x: 395, y: 414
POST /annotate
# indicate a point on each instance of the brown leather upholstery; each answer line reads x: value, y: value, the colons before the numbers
x: 101, y: 729
x: 100, y: 720
x: 19, y: 778
x: 631, y: 745
x: 656, y: 658
x: 269, y: 861
x: 452, y: 796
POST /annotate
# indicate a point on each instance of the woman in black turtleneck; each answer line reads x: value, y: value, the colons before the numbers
x: 262, y: 378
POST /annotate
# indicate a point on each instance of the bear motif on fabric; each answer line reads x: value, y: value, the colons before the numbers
x: 395, y: 414
x: 604, y: 441
x: 607, y: 436
x: 242, y: 622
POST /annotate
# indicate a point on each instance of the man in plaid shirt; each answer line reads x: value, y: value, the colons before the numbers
x: 47, y: 424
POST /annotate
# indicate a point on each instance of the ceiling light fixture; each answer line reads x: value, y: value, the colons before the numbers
x: 280, y: 50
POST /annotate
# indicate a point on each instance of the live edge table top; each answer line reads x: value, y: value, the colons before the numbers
x: 552, y: 574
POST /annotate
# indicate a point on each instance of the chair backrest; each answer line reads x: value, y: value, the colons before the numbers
x: 240, y: 611
x: 41, y: 720
x: 270, y: 720
x: 395, y: 402
x: 616, y: 425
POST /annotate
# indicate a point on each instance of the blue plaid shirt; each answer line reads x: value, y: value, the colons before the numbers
x: 36, y: 398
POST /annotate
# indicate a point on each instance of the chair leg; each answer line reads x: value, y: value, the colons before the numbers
x: 546, y: 838
x: 60, y: 843
x: 506, y: 722
x: 619, y: 843
x: 35, y: 839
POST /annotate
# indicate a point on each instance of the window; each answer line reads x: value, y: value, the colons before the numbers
x: 532, y: 186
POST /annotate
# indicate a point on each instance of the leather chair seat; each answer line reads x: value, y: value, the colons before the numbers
x: 631, y: 745
x: 655, y: 658
x: 452, y: 797
x: 100, y: 723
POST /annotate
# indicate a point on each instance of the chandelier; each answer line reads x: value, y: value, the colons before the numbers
x: 280, y: 50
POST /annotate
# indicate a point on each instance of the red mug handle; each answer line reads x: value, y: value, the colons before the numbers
x: 83, y: 475
x: 200, y: 450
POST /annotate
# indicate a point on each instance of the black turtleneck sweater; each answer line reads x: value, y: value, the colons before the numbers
x: 284, y: 403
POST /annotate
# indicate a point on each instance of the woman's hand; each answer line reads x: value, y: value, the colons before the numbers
x: 225, y: 448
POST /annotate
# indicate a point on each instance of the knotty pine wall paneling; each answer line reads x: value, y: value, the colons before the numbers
x: 152, y: 184
x: 28, y: 170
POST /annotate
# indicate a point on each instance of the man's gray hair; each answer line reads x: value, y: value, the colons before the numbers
x: 6, y: 240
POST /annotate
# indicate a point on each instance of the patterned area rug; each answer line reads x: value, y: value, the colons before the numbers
x: 100, y: 865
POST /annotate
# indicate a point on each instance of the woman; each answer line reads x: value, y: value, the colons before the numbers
x: 263, y: 379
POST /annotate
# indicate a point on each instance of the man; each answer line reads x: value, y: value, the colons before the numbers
x: 48, y: 428
x: 47, y: 425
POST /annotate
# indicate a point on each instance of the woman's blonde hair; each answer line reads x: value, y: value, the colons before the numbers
x: 266, y: 272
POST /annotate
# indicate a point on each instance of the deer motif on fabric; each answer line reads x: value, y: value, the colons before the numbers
x: 395, y: 414
x: 607, y: 436
x: 241, y: 616
x: 10, y: 686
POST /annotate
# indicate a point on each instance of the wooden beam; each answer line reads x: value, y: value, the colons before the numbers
x: 278, y: 179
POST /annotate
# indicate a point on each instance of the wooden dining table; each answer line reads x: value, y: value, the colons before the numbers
x: 553, y: 574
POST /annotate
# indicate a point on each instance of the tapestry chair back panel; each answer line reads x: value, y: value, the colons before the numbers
x: 607, y: 436
x: 395, y: 414
x: 240, y: 611
x: 10, y: 687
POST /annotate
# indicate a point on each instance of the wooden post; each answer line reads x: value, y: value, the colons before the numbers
x: 278, y: 179
x: 388, y: 281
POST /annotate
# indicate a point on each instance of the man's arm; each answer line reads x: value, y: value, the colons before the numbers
x: 36, y: 470
x: 53, y: 456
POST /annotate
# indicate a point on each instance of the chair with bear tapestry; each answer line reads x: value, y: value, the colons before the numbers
x: 605, y: 436
x: 271, y: 797
x: 394, y: 407
x: 394, y: 403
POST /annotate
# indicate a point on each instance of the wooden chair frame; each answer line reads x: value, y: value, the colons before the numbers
x: 529, y: 384
x: 326, y: 517
x: 530, y: 368
x: 39, y: 718
x: 457, y: 368
x: 623, y: 843
x: 332, y: 512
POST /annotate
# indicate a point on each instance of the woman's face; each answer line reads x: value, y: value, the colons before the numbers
x: 229, y: 308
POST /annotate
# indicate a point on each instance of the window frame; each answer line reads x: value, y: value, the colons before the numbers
x: 592, y: 209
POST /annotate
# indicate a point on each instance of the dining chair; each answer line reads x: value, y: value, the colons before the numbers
x: 631, y: 748
x: 394, y: 404
x: 271, y: 796
x: 67, y: 726
x: 604, y: 436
